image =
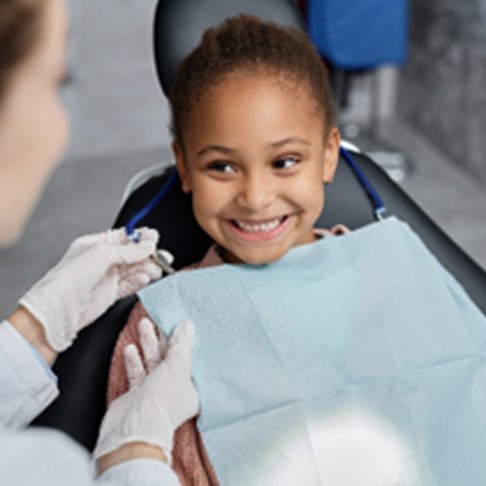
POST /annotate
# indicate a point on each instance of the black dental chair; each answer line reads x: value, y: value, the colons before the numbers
x: 83, y: 369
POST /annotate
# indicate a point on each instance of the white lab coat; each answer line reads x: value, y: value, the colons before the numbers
x: 44, y: 456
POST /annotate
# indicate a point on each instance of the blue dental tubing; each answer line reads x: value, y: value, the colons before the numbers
x: 130, y: 227
x: 378, y: 205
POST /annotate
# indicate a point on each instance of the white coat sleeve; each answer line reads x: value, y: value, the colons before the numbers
x: 43, y: 456
x: 49, y: 458
x: 143, y: 472
x: 27, y: 386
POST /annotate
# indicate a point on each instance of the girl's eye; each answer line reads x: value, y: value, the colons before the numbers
x: 223, y: 167
x: 285, y: 162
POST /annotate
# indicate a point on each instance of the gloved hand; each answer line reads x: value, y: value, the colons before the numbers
x: 154, y: 349
x: 161, y: 395
x: 96, y: 271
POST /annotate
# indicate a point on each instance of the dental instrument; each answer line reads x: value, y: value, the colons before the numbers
x: 159, y: 256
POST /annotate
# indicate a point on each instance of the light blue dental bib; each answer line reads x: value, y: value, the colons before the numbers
x: 355, y: 356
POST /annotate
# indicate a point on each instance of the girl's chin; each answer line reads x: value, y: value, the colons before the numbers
x: 254, y: 256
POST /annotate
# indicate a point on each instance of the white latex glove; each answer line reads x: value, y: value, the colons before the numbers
x: 96, y: 271
x: 153, y: 350
x: 161, y: 396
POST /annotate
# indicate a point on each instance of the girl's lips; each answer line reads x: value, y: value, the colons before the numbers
x: 254, y: 231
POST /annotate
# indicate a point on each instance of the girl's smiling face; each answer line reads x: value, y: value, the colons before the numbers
x: 255, y: 155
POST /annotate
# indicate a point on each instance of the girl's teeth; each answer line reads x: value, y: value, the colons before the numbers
x: 258, y: 227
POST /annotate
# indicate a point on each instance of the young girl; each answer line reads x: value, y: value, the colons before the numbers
x: 254, y: 140
x: 349, y: 360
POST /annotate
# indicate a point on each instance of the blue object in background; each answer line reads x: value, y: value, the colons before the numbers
x: 359, y: 34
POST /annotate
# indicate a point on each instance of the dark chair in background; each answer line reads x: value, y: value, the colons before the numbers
x: 83, y: 369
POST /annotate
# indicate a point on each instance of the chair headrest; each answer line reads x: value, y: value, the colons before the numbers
x: 180, y: 24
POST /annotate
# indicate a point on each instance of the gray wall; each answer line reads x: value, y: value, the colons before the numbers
x: 442, y: 90
x: 114, y: 100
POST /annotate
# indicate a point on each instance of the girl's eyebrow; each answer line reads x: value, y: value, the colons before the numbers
x: 285, y: 141
x: 215, y: 148
x: 228, y: 151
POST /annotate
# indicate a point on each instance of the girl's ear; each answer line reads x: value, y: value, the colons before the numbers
x: 181, y: 165
x: 331, y: 155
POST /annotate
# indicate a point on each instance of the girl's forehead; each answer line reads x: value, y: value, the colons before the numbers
x: 260, y: 84
x: 243, y: 109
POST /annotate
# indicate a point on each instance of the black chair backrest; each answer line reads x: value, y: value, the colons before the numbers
x: 179, y: 25
x: 83, y: 369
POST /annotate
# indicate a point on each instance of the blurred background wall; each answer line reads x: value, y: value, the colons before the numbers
x: 442, y: 88
x: 114, y: 100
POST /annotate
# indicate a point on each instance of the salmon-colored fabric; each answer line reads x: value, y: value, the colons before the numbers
x: 189, y: 457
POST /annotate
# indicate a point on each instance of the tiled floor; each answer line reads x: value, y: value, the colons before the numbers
x: 83, y: 197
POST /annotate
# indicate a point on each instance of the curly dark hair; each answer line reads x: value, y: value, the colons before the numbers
x: 250, y: 45
x: 20, y: 27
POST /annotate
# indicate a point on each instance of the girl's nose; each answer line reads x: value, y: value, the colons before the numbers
x: 255, y: 193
